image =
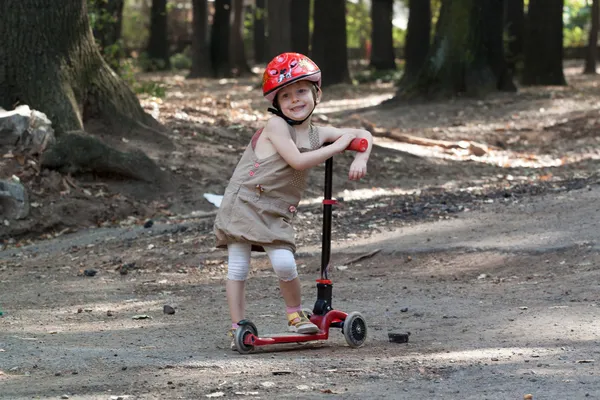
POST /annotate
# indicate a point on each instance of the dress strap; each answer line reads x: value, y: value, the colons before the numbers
x: 292, y: 132
x: 313, y: 137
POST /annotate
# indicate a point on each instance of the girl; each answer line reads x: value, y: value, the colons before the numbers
x: 260, y: 201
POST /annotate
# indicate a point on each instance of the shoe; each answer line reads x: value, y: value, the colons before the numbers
x: 231, y: 334
x: 298, y: 322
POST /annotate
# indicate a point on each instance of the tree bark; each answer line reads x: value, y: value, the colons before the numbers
x: 237, y: 52
x: 300, y: 16
x: 383, y: 56
x: 467, y: 55
x: 219, y: 39
x: 201, y: 66
x: 543, y: 55
x: 514, y: 23
x: 158, y: 43
x: 260, y: 43
x: 57, y: 69
x: 418, y: 38
x: 592, y: 49
x: 279, y: 39
x: 329, y: 42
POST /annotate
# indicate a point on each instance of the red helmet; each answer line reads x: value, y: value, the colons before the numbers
x: 288, y: 68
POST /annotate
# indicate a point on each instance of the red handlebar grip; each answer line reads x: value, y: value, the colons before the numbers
x: 359, y: 144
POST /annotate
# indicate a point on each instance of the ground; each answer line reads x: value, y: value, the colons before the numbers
x: 488, y: 258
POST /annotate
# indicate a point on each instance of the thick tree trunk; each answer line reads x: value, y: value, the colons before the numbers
x: 158, y: 43
x: 329, y: 42
x: 467, y: 55
x: 219, y: 39
x: 300, y: 16
x: 260, y: 43
x: 418, y: 38
x: 237, y: 52
x: 201, y: 67
x: 382, y: 53
x: 514, y: 25
x: 543, y: 55
x: 590, y: 59
x: 57, y: 69
x: 278, y: 16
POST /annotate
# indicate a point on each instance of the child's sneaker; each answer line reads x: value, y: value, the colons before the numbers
x: 231, y: 334
x: 298, y: 322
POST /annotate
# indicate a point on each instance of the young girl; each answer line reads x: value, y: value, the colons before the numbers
x: 262, y: 197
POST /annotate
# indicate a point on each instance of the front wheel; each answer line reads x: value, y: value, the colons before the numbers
x: 241, y: 333
x: 355, y: 329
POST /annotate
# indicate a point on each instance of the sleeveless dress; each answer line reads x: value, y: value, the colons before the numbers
x: 261, y: 199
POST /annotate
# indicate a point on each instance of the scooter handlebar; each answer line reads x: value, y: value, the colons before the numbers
x: 359, y: 144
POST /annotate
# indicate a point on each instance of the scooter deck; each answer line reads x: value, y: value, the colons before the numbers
x: 274, y: 338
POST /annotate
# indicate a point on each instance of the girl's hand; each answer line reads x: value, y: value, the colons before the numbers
x: 343, y: 141
x: 358, y: 169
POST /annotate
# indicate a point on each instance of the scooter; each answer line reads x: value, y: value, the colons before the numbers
x: 353, y: 325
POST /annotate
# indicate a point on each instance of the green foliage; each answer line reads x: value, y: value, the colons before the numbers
x: 358, y: 24
x: 135, y: 31
x: 128, y: 72
x: 181, y: 60
x: 576, y: 20
x: 371, y: 75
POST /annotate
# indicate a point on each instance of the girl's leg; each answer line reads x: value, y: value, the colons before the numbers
x: 237, y: 273
x: 284, y: 264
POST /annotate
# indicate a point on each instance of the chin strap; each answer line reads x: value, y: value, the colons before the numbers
x: 290, y: 121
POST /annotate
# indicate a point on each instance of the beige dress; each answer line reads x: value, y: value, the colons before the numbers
x: 261, y: 199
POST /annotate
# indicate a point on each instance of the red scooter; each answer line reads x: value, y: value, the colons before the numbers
x: 353, y: 325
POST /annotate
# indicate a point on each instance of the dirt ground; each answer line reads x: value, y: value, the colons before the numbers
x: 490, y: 260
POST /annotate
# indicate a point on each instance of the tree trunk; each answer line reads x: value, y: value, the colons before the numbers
x: 279, y: 39
x: 237, y: 52
x: 260, y: 44
x: 467, y: 55
x: 544, y: 44
x: 382, y: 53
x: 300, y: 30
x: 158, y: 43
x: 201, y: 67
x: 219, y: 39
x: 329, y: 42
x: 57, y: 69
x: 514, y: 25
x: 107, y: 29
x: 590, y: 59
x: 418, y: 38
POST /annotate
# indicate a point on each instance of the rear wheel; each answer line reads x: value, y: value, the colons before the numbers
x: 355, y: 329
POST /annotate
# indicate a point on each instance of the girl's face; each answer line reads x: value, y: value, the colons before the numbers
x: 297, y: 100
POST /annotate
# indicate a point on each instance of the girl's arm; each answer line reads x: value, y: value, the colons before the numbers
x: 278, y: 135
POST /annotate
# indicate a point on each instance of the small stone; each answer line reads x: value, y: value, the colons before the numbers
x: 168, y: 310
x: 90, y: 272
x: 64, y: 396
x: 405, y: 309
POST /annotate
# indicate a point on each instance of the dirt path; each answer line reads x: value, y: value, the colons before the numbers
x: 500, y: 302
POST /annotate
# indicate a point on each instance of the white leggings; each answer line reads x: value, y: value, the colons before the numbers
x: 282, y: 260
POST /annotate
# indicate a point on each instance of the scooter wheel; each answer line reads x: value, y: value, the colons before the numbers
x: 355, y: 329
x: 240, y: 334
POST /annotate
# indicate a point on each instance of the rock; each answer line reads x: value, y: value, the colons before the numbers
x: 14, y: 200
x: 168, y: 310
x: 29, y: 130
x: 38, y: 137
x: 13, y: 124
